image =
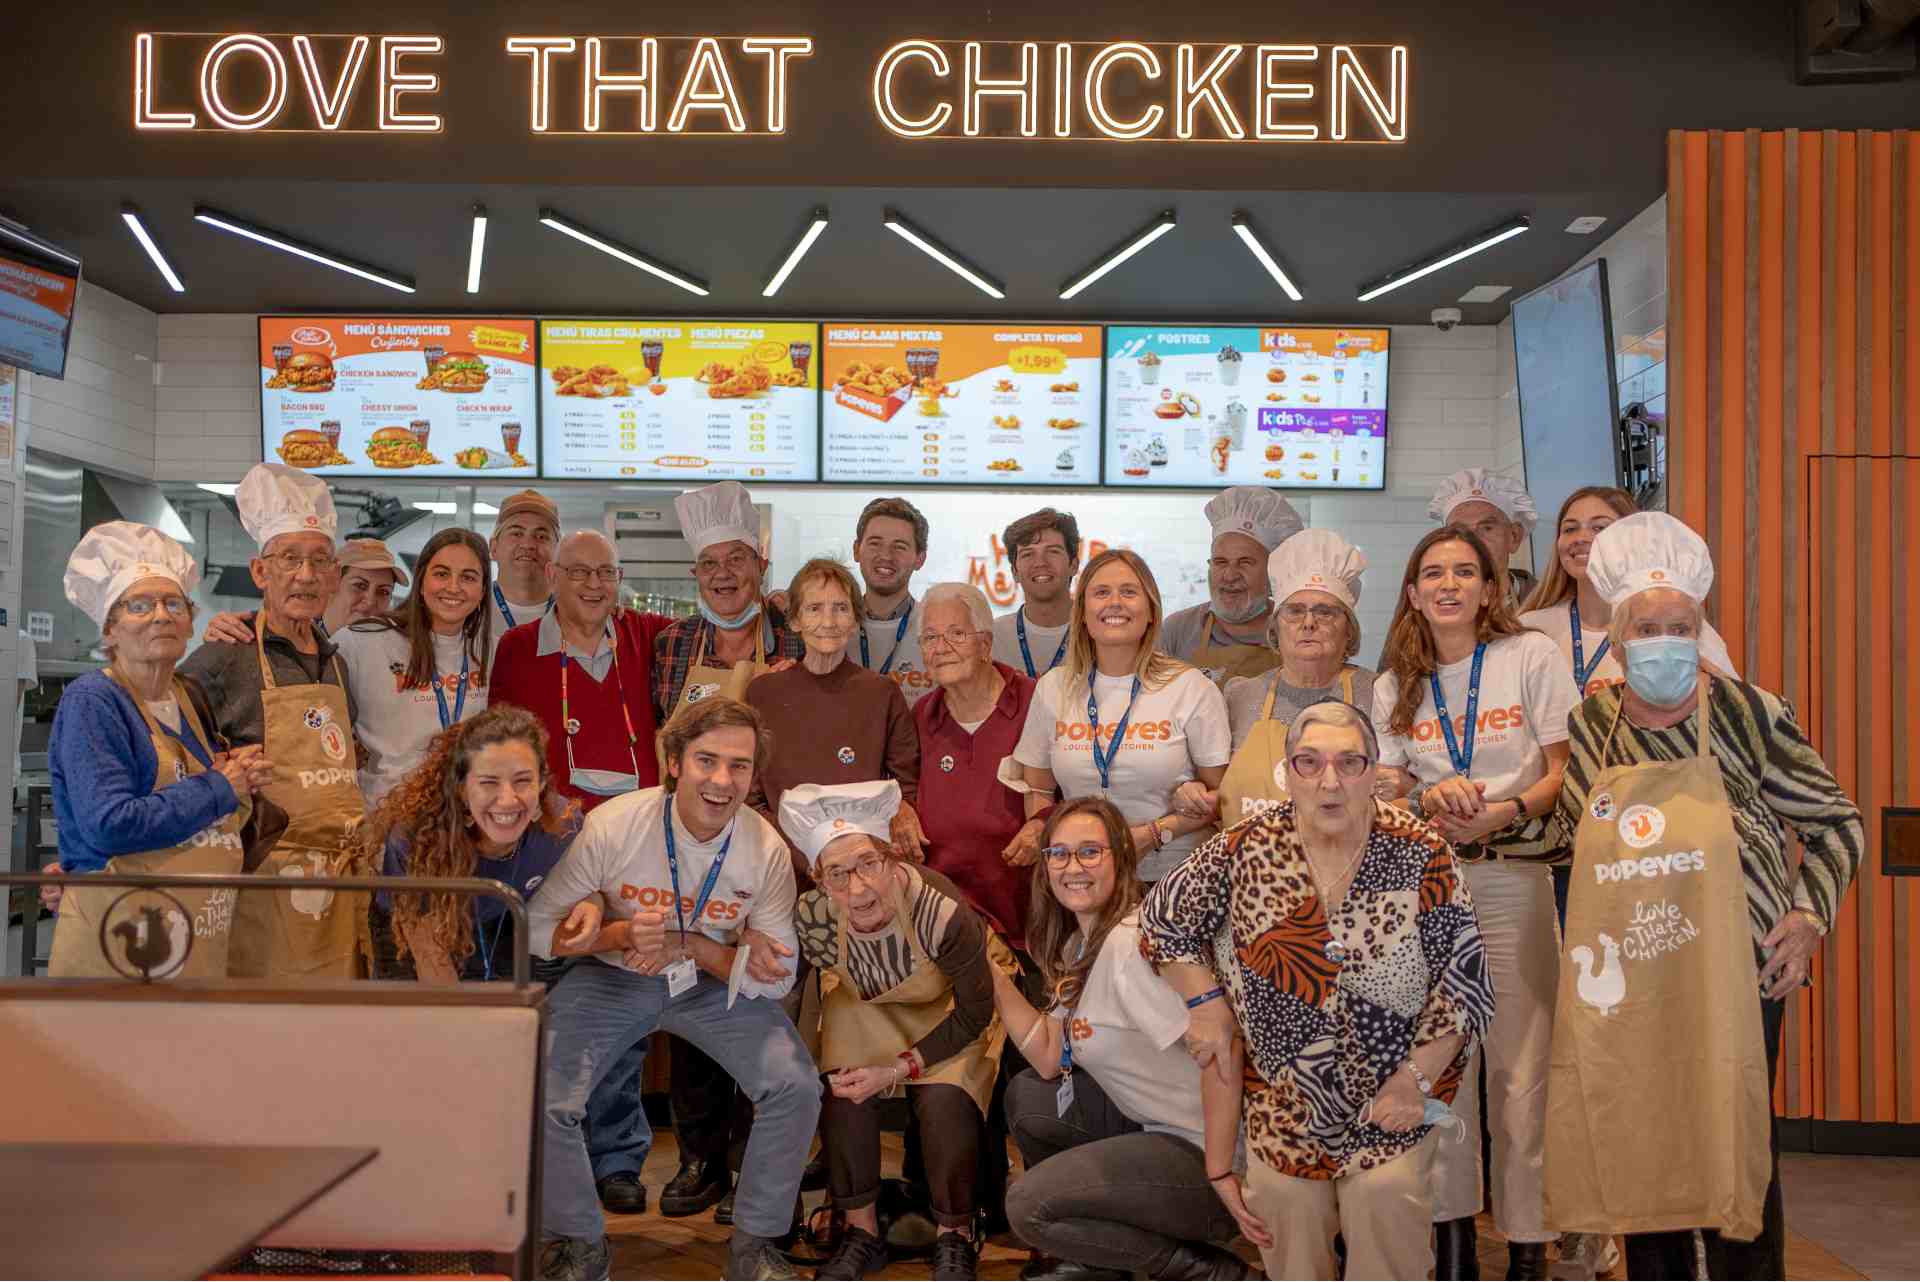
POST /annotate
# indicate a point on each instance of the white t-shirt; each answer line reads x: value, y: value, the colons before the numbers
x: 521, y: 614
x: 1172, y: 732
x: 1557, y: 622
x: 1126, y: 1031
x: 909, y: 668
x: 396, y: 723
x: 1526, y: 695
x: 621, y: 852
x: 1043, y: 642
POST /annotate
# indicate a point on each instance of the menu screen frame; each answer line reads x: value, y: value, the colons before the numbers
x: 25, y: 260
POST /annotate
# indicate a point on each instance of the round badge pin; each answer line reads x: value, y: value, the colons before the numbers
x: 1336, y: 951
x: 845, y: 755
x: 573, y: 725
x: 946, y: 764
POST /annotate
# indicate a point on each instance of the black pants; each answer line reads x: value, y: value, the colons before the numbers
x: 1099, y: 1190
x: 1670, y: 1255
x: 711, y: 1116
x: 949, y: 1126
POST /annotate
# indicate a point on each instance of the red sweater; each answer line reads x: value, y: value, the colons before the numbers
x: 531, y: 680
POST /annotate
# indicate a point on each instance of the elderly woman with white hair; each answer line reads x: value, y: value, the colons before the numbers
x: 1678, y: 798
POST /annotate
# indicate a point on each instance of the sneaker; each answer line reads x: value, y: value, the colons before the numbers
x: 755, y: 1259
x: 622, y: 1193
x: 860, y: 1254
x: 572, y: 1259
x: 954, y: 1258
x: 1586, y: 1256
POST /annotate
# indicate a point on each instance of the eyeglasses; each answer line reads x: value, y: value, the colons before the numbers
x: 1311, y: 765
x: 954, y: 638
x: 293, y: 562
x: 141, y: 606
x: 870, y: 870
x: 1324, y: 615
x: 736, y: 563
x: 1087, y: 855
x: 581, y: 573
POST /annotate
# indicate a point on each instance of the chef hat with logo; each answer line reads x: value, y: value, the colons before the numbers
x: 1649, y: 550
x: 1261, y: 515
x: 1319, y: 560
x: 113, y: 557
x: 814, y: 814
x: 275, y: 499
x: 718, y: 513
x: 371, y: 554
x: 1482, y: 485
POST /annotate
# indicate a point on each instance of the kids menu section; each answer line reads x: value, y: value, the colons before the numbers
x: 1293, y: 408
x: 428, y: 396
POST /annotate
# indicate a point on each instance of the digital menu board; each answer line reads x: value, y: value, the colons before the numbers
x: 428, y: 396
x: 1000, y: 404
x: 682, y: 400
x: 37, y: 293
x: 1298, y: 407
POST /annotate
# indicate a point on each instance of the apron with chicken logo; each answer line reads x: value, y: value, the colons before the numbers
x: 1224, y: 662
x: 214, y: 850
x: 1657, y: 1098
x: 1256, y: 778
x: 856, y: 1032
x: 305, y: 934
x: 708, y: 681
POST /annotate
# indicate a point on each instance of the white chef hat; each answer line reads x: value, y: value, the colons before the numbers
x: 1259, y: 514
x: 814, y: 814
x: 275, y: 499
x: 1482, y: 485
x: 1649, y: 550
x: 718, y: 513
x: 1317, y: 559
x: 113, y: 557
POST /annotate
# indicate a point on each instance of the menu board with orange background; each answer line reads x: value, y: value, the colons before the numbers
x: 681, y: 400
x: 36, y: 313
x: 420, y: 395
x: 992, y: 404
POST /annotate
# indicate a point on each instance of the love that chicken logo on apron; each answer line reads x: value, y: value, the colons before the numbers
x: 1604, y: 986
x: 1641, y: 826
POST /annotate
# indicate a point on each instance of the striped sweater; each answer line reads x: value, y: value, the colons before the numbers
x: 1774, y: 779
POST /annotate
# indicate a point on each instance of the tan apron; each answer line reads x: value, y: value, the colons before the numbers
x: 213, y: 850
x: 305, y: 934
x: 708, y: 681
x: 856, y: 1032
x: 1257, y: 777
x: 1657, y: 1099
x: 1224, y: 662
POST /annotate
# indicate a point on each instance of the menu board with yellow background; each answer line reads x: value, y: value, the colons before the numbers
x: 688, y: 400
x: 420, y: 395
x: 990, y: 404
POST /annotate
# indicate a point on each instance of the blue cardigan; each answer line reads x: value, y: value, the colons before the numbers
x: 103, y: 764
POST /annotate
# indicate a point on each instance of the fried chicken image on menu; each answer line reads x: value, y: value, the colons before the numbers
x: 875, y: 380
x: 750, y: 379
x: 601, y: 381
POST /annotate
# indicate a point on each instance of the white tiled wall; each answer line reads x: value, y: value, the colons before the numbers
x: 208, y: 407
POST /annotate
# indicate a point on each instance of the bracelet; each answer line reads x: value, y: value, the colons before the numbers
x: 912, y: 1066
x: 1812, y: 916
x: 1206, y: 997
x: 1215, y: 1179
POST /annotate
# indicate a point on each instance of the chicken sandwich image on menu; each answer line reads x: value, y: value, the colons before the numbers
x: 396, y: 447
x: 454, y: 372
x: 304, y: 372
x: 304, y: 447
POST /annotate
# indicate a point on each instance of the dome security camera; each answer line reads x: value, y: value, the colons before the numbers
x: 1445, y: 318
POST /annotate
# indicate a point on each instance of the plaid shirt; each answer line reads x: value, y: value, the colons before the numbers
x: 676, y: 650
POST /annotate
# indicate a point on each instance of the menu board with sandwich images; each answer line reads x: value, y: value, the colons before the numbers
x: 996, y: 404
x: 684, y: 400
x: 429, y: 396
x: 1299, y: 407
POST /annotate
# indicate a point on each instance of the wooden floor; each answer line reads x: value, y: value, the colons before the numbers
x: 652, y: 1246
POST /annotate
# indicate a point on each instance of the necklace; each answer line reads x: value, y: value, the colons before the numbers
x: 1336, y: 951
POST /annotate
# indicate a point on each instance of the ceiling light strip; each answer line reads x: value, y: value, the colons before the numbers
x: 631, y: 257
x: 13, y: 231
x: 941, y: 254
x: 815, y: 226
x: 1121, y: 253
x: 299, y: 249
x: 1244, y: 230
x: 1466, y: 249
x: 477, y: 248
x: 131, y: 216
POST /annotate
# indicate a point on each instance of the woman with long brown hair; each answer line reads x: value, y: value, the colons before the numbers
x: 1109, y: 1119
x: 1122, y: 720
x: 1474, y: 706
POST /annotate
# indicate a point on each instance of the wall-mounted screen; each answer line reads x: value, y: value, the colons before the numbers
x: 996, y: 404
x: 680, y: 400
x: 1294, y: 407
x: 423, y: 395
x: 37, y: 293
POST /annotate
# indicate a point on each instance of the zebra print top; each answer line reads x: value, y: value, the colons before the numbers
x: 1775, y: 782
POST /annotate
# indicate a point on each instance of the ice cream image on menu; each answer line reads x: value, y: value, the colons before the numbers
x: 1229, y: 362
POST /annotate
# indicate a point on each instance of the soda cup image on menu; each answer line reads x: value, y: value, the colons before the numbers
x: 330, y: 427
x: 922, y: 362
x: 651, y: 350
x: 509, y: 437
x: 421, y: 428
x: 801, y: 355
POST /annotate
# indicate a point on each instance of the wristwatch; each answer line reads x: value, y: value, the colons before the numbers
x: 1163, y: 832
x: 1420, y: 1079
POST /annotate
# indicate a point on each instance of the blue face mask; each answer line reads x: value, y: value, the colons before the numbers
x: 739, y: 620
x: 1663, y: 670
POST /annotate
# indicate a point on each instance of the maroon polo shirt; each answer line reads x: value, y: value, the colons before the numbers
x: 969, y: 815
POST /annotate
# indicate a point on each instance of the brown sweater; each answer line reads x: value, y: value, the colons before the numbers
x: 849, y: 726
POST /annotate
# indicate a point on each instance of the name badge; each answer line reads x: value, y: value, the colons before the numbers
x: 1063, y: 1096
x: 681, y: 976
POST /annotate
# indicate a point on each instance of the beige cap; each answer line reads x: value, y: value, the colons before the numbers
x: 371, y: 554
x: 529, y: 503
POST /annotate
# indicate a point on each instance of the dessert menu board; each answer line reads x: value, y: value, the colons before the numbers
x: 962, y: 404
x: 429, y: 396
x: 1287, y: 408
x: 681, y: 400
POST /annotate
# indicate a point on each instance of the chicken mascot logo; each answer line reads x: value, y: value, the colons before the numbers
x: 1641, y: 826
x: 146, y: 935
x: 1604, y: 987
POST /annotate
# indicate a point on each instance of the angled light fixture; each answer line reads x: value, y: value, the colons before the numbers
x: 631, y: 257
x: 1120, y: 253
x: 941, y: 254
x: 1445, y: 258
x: 130, y: 215
x: 439, y: 507
x: 815, y: 225
x: 15, y: 232
x: 1243, y: 228
x: 300, y: 249
x: 477, y: 248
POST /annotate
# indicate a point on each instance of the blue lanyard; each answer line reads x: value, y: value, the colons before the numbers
x: 673, y: 870
x: 1103, y: 762
x: 866, y: 659
x: 506, y: 612
x: 488, y: 945
x: 1581, y: 669
x: 460, y: 700
x: 1026, y: 655
x: 1462, y: 761
x: 1066, y: 1045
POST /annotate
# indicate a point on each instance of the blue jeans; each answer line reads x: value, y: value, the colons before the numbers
x: 620, y: 1135
x: 598, y: 1014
